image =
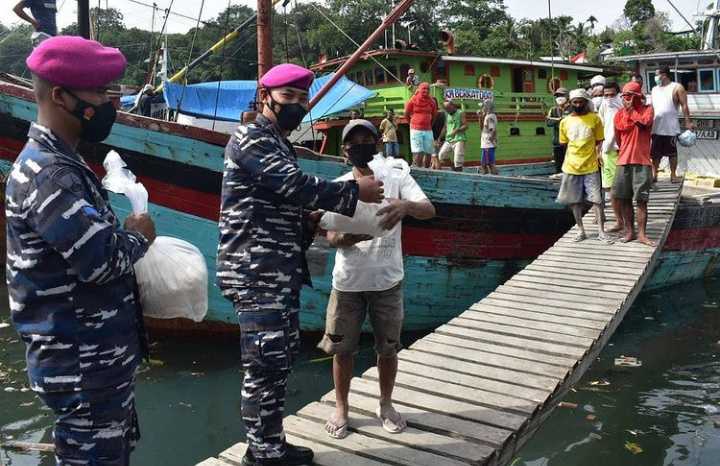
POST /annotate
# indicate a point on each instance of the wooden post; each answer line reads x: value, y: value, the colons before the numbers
x: 264, y: 36
x: 84, y: 18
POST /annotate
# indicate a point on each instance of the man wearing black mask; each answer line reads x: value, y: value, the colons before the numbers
x: 367, y: 279
x: 265, y: 228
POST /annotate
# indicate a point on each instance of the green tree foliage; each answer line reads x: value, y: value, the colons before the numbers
x: 638, y: 11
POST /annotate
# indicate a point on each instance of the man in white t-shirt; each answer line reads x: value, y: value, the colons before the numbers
x: 488, y: 137
x: 367, y: 279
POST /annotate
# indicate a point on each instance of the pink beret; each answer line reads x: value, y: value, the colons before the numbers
x: 287, y: 75
x: 77, y: 63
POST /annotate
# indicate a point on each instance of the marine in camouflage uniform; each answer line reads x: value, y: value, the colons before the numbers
x: 70, y: 279
x: 264, y: 233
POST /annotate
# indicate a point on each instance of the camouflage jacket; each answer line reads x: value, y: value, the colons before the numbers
x: 264, y: 197
x: 69, y: 271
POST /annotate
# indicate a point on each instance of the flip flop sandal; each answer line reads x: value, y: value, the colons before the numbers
x: 387, y: 424
x: 604, y: 238
x: 579, y: 237
x: 337, y: 432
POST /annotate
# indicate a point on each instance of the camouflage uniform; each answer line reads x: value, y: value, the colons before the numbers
x: 262, y: 266
x: 73, y: 300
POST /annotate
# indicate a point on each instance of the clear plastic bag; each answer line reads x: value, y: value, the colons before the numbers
x: 364, y: 222
x: 173, y: 280
x: 172, y: 276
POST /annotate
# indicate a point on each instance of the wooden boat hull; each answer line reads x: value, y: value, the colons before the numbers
x: 486, y: 230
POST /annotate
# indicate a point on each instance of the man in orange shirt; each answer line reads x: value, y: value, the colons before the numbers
x: 633, y: 178
x: 420, y: 110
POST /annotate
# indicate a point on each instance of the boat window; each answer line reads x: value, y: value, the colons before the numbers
x: 542, y: 74
x: 688, y: 78
x: 514, y: 131
x: 469, y: 70
x: 379, y: 75
x: 540, y: 131
x: 650, y: 81
x: 706, y: 80
x: 368, y: 78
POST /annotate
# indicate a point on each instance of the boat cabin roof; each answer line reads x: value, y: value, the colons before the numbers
x: 664, y: 56
x: 508, y: 61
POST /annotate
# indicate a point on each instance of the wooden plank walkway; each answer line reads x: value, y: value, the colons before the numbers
x: 475, y: 390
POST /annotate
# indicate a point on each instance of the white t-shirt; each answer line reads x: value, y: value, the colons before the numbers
x: 377, y: 264
x: 608, y: 110
x: 489, y: 127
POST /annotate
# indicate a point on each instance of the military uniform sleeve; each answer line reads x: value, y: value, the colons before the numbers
x: 266, y: 162
x: 96, y: 249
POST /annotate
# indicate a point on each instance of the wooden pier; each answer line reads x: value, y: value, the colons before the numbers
x: 475, y: 390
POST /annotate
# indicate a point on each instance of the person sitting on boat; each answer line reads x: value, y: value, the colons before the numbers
x: 488, y: 137
x: 73, y: 293
x: 420, y: 111
x: 388, y: 128
x: 455, y: 132
x: 554, y: 117
x: 43, y: 18
x: 265, y: 230
x: 582, y: 132
x: 610, y: 105
x: 412, y: 80
x: 666, y: 97
x: 633, y: 180
x: 367, y: 280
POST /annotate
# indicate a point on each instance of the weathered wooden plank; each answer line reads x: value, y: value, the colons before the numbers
x: 589, y: 289
x: 443, y: 405
x: 578, y: 275
x: 445, y: 345
x: 486, y: 308
x: 522, y: 332
x: 556, y: 349
x: 567, y: 244
x: 561, y: 299
x: 473, y: 381
x: 519, y: 407
x: 530, y: 324
x: 514, y: 378
x: 412, y: 438
x: 564, y: 264
x: 577, y: 283
x: 555, y: 308
x: 212, y: 462
x: 427, y: 420
x: 626, y: 261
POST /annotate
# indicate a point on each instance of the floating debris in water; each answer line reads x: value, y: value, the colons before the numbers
x: 156, y: 362
x: 627, y: 361
x: 633, y: 448
x: 567, y: 404
x: 187, y: 405
x: 600, y: 383
x: 10, y: 389
x: 591, y: 417
x: 4, y: 325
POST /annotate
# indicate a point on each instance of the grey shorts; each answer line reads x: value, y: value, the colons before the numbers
x: 346, y: 314
x: 632, y: 182
x: 576, y: 189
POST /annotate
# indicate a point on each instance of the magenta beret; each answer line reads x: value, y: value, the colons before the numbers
x: 77, y: 63
x: 287, y: 75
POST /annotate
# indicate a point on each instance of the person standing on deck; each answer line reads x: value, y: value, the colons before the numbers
x: 367, y: 279
x: 633, y: 180
x: 488, y: 137
x: 43, y: 18
x: 455, y: 132
x: 610, y: 105
x: 265, y: 230
x: 420, y: 111
x: 597, y: 87
x: 438, y: 125
x: 388, y: 128
x: 555, y: 116
x: 667, y: 96
x: 70, y: 276
x: 583, y: 133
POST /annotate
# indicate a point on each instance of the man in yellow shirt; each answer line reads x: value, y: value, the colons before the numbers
x: 583, y: 134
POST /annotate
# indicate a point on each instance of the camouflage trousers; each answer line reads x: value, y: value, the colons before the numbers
x: 270, y: 337
x: 94, y: 427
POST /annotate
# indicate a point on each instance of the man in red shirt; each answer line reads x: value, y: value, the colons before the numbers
x: 633, y: 179
x: 420, y: 111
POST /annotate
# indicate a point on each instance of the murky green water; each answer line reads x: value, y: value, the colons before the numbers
x: 663, y: 413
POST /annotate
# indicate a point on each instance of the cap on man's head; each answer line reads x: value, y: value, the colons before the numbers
x: 579, y: 94
x: 356, y: 124
x: 633, y: 88
x: 597, y: 80
x: 76, y: 63
x: 561, y: 91
x: 287, y: 75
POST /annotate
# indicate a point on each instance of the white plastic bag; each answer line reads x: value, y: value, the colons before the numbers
x: 364, y: 222
x: 172, y: 276
x: 687, y: 138
x: 173, y: 280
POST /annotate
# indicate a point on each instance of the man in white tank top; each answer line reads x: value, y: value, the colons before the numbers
x: 667, y: 96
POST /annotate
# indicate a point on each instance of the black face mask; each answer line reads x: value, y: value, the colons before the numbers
x: 361, y: 154
x: 580, y: 109
x: 290, y: 115
x: 96, y: 121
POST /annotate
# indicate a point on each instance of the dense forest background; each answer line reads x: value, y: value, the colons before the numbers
x: 302, y: 32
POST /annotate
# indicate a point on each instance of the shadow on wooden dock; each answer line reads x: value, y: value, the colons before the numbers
x: 480, y: 386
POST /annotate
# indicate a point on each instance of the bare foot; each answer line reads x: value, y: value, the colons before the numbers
x: 337, y: 426
x: 615, y: 228
x: 629, y: 236
x: 645, y: 240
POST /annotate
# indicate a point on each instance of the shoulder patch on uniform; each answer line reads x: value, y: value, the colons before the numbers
x: 91, y: 212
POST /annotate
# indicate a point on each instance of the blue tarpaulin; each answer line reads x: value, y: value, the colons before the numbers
x: 200, y: 100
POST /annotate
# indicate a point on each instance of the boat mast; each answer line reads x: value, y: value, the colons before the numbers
x: 84, y: 18
x: 264, y: 36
